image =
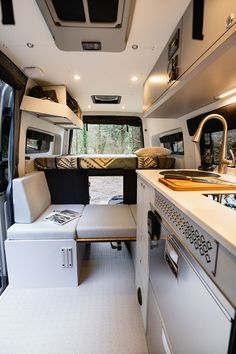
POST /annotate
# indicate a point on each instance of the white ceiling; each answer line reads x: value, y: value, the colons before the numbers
x: 101, y: 73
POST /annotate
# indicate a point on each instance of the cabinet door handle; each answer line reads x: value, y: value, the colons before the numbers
x: 229, y: 21
x: 67, y: 257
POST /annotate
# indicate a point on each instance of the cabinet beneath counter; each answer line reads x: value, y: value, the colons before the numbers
x: 145, y: 196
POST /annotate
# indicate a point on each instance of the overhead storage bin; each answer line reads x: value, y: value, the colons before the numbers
x: 57, y: 113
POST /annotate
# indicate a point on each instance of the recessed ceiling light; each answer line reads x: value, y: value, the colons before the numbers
x: 30, y: 45
x: 134, y: 78
x: 123, y: 107
x: 134, y: 46
x: 226, y: 94
x: 76, y: 77
x: 89, y: 107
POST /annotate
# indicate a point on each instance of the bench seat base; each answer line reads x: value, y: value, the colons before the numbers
x: 43, y: 263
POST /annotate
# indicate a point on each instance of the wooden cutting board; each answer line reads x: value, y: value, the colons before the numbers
x: 183, y: 185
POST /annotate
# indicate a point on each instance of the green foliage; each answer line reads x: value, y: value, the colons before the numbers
x: 106, y: 139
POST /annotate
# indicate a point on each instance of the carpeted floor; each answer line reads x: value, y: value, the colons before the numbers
x: 101, y: 316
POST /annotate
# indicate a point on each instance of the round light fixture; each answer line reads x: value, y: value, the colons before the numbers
x: 134, y: 78
x: 134, y: 46
x: 123, y: 107
x: 89, y: 107
x: 76, y: 77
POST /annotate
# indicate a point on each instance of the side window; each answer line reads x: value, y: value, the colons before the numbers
x: 6, y: 106
x: 173, y: 142
x: 211, y: 145
x: 5, y: 133
x: 38, y: 142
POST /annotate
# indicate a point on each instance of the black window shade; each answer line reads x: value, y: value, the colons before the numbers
x: 214, y: 125
x: 172, y: 138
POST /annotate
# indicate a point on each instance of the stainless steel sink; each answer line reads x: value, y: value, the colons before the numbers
x: 191, y: 173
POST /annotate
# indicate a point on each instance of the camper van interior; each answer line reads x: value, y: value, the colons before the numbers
x: 117, y: 177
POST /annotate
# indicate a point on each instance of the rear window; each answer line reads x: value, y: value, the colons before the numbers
x: 106, y: 139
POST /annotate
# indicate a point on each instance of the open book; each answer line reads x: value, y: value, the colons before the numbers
x: 61, y: 217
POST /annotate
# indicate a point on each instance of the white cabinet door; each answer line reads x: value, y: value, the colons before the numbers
x: 145, y: 196
x: 216, y: 14
x: 42, y: 263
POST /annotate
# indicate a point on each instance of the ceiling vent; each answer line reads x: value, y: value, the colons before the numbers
x: 78, y: 25
x: 106, y: 99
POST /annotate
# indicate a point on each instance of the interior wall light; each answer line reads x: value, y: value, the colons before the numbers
x: 226, y: 94
x: 158, y: 79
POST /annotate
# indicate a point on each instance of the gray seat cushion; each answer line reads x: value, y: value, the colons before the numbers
x: 106, y: 221
x: 45, y: 230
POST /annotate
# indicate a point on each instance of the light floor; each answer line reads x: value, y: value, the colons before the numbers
x: 101, y: 316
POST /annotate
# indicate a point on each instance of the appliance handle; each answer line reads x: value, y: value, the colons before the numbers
x: 172, y: 257
x: 165, y: 342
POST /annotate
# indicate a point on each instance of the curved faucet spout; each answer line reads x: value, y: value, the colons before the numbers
x: 197, y: 136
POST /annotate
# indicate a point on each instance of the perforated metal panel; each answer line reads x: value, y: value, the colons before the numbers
x: 203, y: 246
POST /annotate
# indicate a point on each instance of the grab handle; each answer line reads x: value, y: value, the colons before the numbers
x: 172, y: 257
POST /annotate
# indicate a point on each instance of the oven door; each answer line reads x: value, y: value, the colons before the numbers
x: 192, y: 318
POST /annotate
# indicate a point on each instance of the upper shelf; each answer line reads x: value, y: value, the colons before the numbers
x: 57, y: 113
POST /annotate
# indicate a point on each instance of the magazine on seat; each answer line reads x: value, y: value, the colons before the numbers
x: 61, y: 217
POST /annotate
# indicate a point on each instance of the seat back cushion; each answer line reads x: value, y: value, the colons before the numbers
x: 31, y: 197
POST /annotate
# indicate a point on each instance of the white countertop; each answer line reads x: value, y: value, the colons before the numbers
x: 218, y: 220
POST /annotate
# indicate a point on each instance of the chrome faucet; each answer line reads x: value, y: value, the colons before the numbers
x: 223, y: 161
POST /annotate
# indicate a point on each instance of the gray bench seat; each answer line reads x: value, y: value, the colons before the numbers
x: 32, y: 203
x: 45, y: 230
x: 106, y: 223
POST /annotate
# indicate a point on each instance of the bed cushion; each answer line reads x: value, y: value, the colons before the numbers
x: 31, y: 197
x: 106, y: 221
x: 45, y: 230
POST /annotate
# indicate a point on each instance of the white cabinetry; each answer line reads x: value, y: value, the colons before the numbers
x: 217, y: 15
x: 42, y: 263
x: 205, y: 66
x: 145, y: 196
x: 56, y: 113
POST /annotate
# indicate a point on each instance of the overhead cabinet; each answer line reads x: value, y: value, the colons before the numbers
x: 165, y: 71
x: 56, y: 113
x: 219, y: 16
x: 199, y: 63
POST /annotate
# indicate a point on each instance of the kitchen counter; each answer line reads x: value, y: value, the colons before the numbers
x: 216, y: 219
